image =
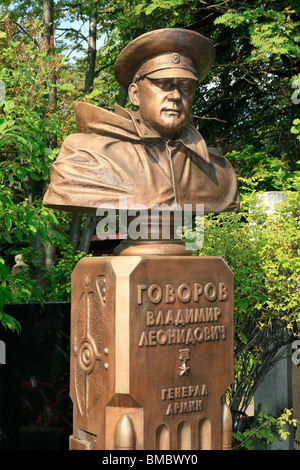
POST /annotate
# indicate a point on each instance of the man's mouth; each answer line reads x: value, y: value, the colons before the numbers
x: 172, y: 111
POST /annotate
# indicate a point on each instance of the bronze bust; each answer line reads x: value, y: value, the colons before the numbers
x: 153, y: 155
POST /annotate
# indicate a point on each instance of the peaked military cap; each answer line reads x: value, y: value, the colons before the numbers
x: 170, y: 52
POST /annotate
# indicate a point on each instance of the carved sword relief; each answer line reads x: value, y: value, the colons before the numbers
x: 88, y: 349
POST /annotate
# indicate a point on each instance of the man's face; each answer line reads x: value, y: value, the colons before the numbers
x: 164, y: 104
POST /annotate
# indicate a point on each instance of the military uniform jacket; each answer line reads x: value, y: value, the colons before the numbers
x: 114, y: 155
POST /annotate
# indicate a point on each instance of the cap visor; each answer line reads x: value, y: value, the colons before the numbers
x: 173, y: 73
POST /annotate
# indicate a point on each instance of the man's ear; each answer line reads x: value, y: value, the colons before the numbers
x: 133, y: 93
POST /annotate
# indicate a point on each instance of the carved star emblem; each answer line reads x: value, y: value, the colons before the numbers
x: 184, y: 355
x: 183, y: 369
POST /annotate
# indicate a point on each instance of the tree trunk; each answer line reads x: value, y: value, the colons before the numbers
x: 75, y: 230
x: 87, y: 233
x: 91, y: 54
x: 48, y: 22
x: 38, y: 262
x: 123, y: 97
x: 90, y: 222
x: 48, y: 42
x: 45, y: 258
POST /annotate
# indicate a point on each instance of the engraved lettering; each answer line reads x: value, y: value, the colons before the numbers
x: 162, y: 337
x: 170, y: 294
x: 184, y: 292
x: 183, y: 317
x: 201, y: 316
x: 192, y: 406
x: 183, y: 335
x: 143, y: 339
x: 207, y: 333
x: 215, y: 333
x: 169, y: 409
x: 198, y: 333
x: 210, y: 291
x: 160, y: 320
x: 223, y: 330
x: 139, y: 294
x: 189, y: 336
x: 180, y: 320
x: 190, y: 391
x: 152, y: 338
x: 172, y: 337
x: 176, y: 407
x: 217, y: 313
x: 155, y: 293
x: 198, y: 290
x: 223, y: 294
x: 184, y: 399
x: 150, y: 318
x: 209, y: 314
x: 170, y: 318
x: 189, y: 315
x: 184, y: 407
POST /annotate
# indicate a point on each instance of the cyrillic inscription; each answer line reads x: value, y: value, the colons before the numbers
x: 186, y: 399
x: 183, y: 317
x: 184, y: 292
x: 186, y: 325
x: 183, y: 335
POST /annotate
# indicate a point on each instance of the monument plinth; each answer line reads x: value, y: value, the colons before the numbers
x: 152, y: 352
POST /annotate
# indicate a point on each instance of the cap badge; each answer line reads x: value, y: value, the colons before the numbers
x: 175, y: 58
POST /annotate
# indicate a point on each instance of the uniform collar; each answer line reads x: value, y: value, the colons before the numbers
x: 125, y: 123
x: 190, y: 137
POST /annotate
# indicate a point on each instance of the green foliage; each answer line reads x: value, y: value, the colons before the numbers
x: 24, y: 117
x: 295, y: 129
x: 262, y: 171
x: 272, y: 32
x: 265, y: 430
x: 58, y: 288
x: 25, y: 157
x: 248, y: 107
x: 7, y: 288
x: 21, y: 223
x: 263, y: 252
x: 257, y: 58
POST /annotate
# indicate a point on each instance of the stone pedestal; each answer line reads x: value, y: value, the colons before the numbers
x: 151, y: 353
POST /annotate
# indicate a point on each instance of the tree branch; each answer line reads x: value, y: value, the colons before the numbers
x: 209, y: 118
x: 103, y: 67
x: 84, y: 38
x: 24, y: 31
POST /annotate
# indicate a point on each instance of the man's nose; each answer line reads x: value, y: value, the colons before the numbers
x: 174, y: 94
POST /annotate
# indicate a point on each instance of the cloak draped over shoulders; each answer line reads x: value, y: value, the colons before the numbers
x: 114, y: 155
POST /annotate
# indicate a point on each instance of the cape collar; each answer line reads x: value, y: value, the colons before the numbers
x: 91, y: 119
